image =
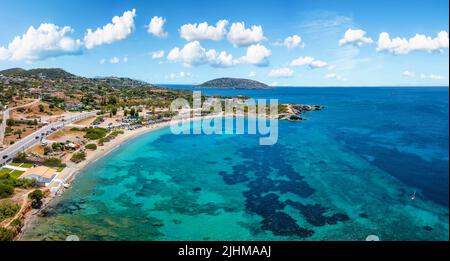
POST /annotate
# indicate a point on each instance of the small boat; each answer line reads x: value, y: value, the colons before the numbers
x: 413, y: 196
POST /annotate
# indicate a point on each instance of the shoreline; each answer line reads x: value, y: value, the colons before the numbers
x: 74, y: 169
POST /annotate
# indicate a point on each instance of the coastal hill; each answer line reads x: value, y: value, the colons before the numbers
x: 48, y: 73
x: 57, y: 74
x: 233, y: 83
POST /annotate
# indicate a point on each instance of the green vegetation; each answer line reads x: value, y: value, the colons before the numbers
x: 76, y: 129
x: 6, y: 234
x: 53, y: 161
x: 36, y: 198
x: 6, y: 190
x: 8, y: 209
x: 59, y: 169
x: 78, y: 157
x: 16, y: 173
x: 91, y: 146
x: 4, y: 171
x: 95, y: 133
x: 15, y: 164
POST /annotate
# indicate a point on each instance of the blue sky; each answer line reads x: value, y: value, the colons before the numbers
x: 321, y: 50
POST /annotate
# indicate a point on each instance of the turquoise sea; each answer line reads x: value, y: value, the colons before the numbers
x: 345, y: 173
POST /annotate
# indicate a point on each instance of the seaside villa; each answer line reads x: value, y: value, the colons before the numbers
x: 43, y: 175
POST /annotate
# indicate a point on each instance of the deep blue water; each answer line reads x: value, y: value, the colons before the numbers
x: 346, y: 172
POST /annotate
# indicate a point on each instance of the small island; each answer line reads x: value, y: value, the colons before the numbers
x: 233, y: 83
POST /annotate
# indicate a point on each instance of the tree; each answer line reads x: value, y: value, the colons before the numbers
x: 114, y: 111
x: 41, y: 108
x: 35, y: 123
x: 132, y: 112
x: 36, y: 198
x: 19, y: 134
x: 10, y: 122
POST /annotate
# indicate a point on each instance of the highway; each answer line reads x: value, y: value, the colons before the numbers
x: 27, y: 142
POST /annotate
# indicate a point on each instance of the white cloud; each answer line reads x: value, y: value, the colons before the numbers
x: 311, y: 62
x: 125, y: 59
x: 120, y: 28
x: 203, y: 31
x: 334, y: 76
x: 157, y: 54
x: 252, y: 74
x: 423, y: 76
x: 193, y: 54
x: 355, y: 37
x: 408, y: 74
x: 257, y: 54
x: 221, y: 59
x: 419, y: 42
x: 102, y: 61
x: 114, y: 60
x: 436, y: 77
x: 292, y: 42
x: 156, y: 26
x: 241, y: 36
x: 48, y: 40
x: 283, y: 72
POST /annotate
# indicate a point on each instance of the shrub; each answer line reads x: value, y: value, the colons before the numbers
x: 95, y: 133
x: 91, y: 146
x: 8, y: 209
x: 16, y: 223
x: 36, y: 198
x: 78, y: 157
x: 6, y: 190
x: 21, y: 157
x: 6, y: 234
x: 53, y: 161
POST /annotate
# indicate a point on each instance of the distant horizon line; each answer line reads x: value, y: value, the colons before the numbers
x: 325, y: 86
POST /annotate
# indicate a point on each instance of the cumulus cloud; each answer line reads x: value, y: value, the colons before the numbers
x: 291, y: 42
x: 408, y: 74
x: 311, y: 62
x: 355, y: 37
x: 203, y: 31
x: 193, y: 54
x: 419, y: 42
x: 221, y: 59
x: 252, y: 74
x: 102, y: 61
x: 257, y: 54
x: 156, y: 26
x: 48, y: 40
x: 241, y: 36
x: 120, y: 28
x: 157, y: 54
x: 284, y: 72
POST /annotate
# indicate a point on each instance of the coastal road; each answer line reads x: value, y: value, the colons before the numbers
x: 6, y: 116
x: 27, y: 142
